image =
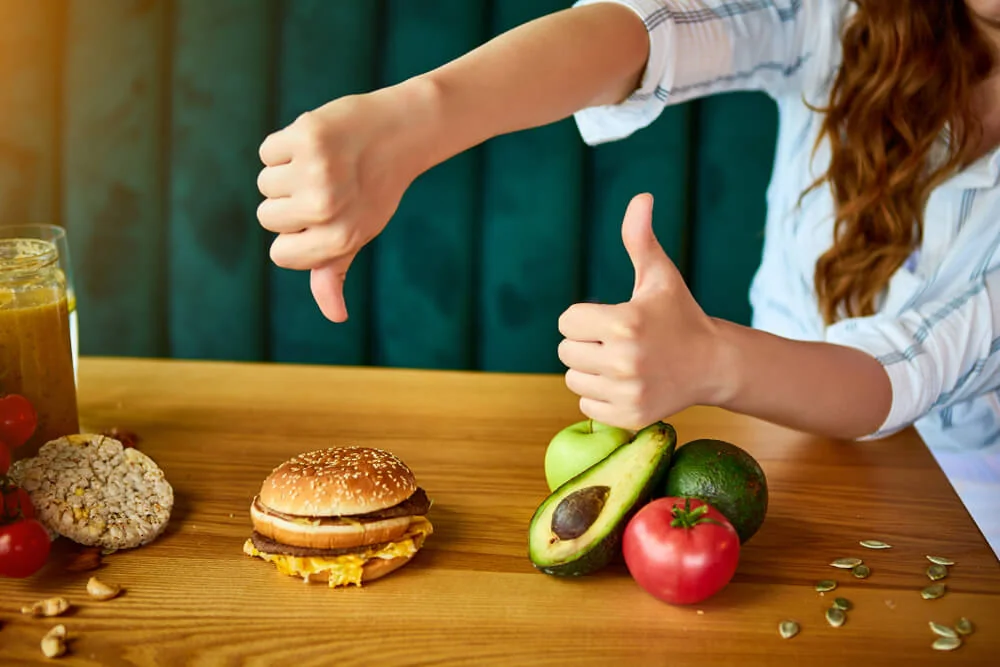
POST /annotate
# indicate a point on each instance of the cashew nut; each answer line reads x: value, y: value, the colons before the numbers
x: 47, y: 607
x: 99, y: 590
x: 53, y: 647
x: 54, y: 642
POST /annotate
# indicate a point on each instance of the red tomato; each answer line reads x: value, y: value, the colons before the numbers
x: 18, y: 419
x: 680, y: 550
x: 24, y: 548
x: 4, y: 458
x: 17, y: 504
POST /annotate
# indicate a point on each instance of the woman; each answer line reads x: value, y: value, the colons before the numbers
x: 877, y: 302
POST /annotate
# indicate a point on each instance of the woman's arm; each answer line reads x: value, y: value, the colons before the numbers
x: 822, y: 388
x: 535, y: 74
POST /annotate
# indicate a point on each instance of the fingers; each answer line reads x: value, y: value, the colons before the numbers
x: 277, y: 148
x: 608, y: 413
x: 327, y: 284
x: 281, y: 216
x: 315, y: 246
x: 277, y: 181
x: 586, y: 385
x: 587, y: 322
x: 582, y: 356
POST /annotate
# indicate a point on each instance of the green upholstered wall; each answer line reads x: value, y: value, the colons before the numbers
x: 135, y: 124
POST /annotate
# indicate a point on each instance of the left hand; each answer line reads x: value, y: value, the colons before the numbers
x: 636, y: 362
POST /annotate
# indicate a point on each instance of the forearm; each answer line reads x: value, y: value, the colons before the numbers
x: 816, y: 387
x: 535, y: 74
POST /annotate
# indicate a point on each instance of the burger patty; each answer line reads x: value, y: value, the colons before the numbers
x: 417, y: 504
x: 269, y: 546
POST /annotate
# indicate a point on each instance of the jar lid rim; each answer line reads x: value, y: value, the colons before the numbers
x: 22, y: 256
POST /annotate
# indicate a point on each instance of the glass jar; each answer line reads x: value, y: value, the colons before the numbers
x: 36, y: 356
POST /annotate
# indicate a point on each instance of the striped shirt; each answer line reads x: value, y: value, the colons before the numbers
x: 937, y: 329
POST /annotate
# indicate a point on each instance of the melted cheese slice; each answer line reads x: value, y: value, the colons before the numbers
x: 349, y: 568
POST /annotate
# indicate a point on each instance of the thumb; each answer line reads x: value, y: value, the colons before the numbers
x: 327, y: 284
x: 653, y: 268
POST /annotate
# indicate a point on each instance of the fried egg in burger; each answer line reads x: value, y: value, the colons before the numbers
x: 344, y: 515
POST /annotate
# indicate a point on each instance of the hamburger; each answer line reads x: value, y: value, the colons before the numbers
x: 343, y: 515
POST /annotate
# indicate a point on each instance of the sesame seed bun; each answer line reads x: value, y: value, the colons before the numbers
x: 344, y: 515
x: 337, y: 482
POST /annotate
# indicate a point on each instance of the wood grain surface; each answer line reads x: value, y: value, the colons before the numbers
x: 471, y: 597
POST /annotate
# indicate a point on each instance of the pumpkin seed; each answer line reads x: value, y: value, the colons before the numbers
x: 861, y: 571
x: 825, y: 586
x: 842, y: 604
x: 942, y: 630
x: 964, y: 626
x: 933, y: 592
x: 835, y: 617
x: 946, y: 643
x: 940, y: 560
x: 846, y: 563
x: 875, y: 544
x: 935, y: 572
x: 788, y: 629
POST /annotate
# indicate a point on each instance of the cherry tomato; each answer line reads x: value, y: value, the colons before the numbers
x: 24, y: 548
x: 680, y: 550
x: 16, y: 504
x: 4, y: 458
x: 18, y: 419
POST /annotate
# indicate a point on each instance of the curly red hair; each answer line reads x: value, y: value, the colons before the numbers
x: 908, y: 74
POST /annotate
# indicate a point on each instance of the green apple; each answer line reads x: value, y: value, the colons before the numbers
x: 578, y: 447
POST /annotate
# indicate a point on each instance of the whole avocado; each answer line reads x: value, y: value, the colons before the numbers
x: 723, y: 475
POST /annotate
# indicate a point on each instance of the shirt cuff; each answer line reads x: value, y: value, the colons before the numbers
x: 612, y: 122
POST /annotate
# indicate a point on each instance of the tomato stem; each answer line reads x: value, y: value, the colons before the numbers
x: 689, y: 518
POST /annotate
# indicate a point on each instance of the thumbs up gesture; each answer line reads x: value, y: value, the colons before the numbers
x: 636, y: 362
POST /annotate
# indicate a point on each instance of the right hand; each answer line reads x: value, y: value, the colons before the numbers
x: 332, y: 179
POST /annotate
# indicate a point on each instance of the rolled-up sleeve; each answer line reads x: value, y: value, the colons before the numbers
x: 700, y: 47
x: 937, y: 354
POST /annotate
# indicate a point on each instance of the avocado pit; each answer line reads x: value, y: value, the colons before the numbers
x: 578, y: 511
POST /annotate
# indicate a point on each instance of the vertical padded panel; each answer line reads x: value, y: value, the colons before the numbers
x: 736, y: 142
x: 423, y: 260
x: 655, y: 160
x: 532, y: 231
x: 30, y: 55
x: 113, y: 173
x: 219, y: 108
x: 326, y: 50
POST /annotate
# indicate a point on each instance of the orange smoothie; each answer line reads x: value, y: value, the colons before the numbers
x: 36, y: 358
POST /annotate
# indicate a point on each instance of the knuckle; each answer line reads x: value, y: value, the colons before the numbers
x: 625, y: 364
x: 635, y: 394
x: 307, y: 126
x: 340, y: 238
x: 628, y: 325
x: 321, y: 204
x: 320, y: 172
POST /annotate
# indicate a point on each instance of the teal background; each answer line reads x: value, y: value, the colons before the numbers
x: 135, y: 124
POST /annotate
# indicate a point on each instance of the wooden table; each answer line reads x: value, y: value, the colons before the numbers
x: 471, y: 597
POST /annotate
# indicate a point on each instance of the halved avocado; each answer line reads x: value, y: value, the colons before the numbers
x: 578, y: 528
